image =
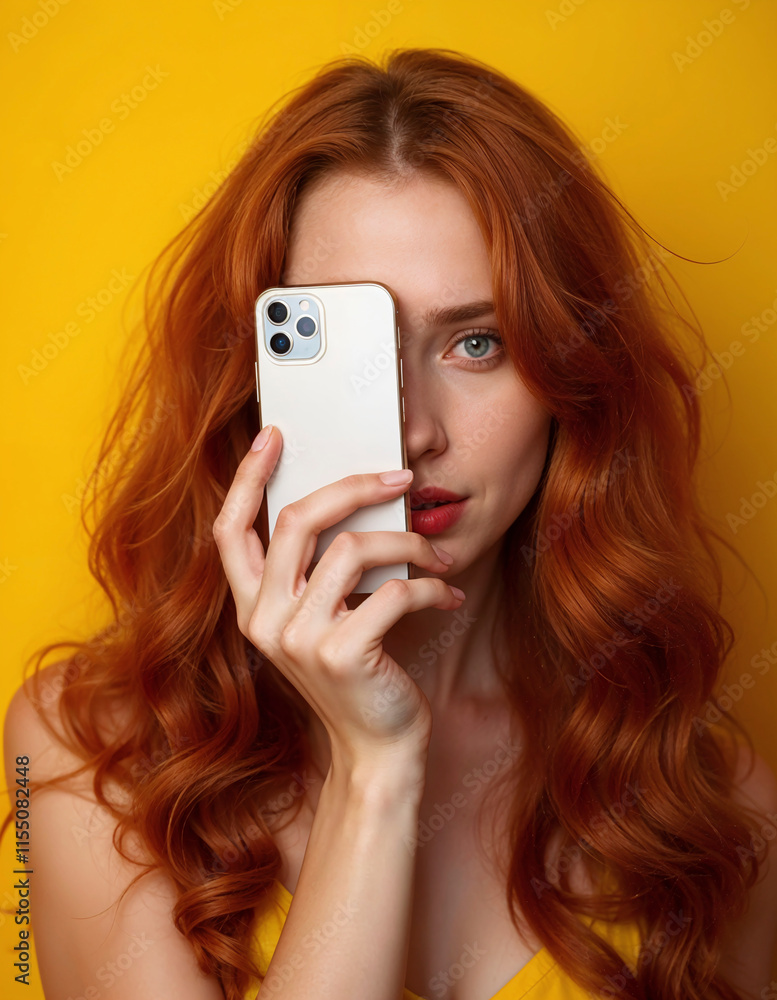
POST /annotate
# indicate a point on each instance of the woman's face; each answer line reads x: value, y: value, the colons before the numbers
x: 471, y: 426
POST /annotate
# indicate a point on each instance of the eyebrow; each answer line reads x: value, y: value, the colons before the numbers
x: 458, y: 314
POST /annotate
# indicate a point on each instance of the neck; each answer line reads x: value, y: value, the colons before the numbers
x: 448, y: 653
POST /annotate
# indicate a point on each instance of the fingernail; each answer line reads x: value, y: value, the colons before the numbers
x: 444, y: 556
x: 262, y: 438
x: 397, y: 477
x: 459, y: 593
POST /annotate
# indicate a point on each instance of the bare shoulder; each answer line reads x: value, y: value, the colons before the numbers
x: 755, y: 780
x: 87, y: 938
x: 750, y: 942
x: 27, y: 734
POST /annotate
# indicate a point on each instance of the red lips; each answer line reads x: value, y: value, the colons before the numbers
x: 429, y: 494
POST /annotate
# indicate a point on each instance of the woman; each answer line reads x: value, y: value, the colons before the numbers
x: 501, y: 776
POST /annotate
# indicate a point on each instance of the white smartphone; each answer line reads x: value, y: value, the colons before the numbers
x: 329, y: 376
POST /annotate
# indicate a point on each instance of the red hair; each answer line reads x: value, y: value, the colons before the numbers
x: 611, y: 642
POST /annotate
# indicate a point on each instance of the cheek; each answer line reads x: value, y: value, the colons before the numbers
x: 501, y: 439
x: 523, y: 448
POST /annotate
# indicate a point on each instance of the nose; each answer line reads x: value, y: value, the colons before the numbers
x: 424, y: 414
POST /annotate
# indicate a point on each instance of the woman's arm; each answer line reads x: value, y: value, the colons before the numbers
x: 347, y: 930
x: 86, y: 945
x: 750, y: 942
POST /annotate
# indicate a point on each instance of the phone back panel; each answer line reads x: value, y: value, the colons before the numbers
x: 340, y: 412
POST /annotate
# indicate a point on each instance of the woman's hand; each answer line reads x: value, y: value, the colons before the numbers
x: 333, y: 656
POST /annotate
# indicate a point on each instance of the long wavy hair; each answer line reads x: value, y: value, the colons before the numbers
x: 612, y: 645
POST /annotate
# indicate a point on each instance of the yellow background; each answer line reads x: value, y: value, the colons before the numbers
x: 690, y: 116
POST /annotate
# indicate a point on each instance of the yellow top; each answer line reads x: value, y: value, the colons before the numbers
x: 540, y: 977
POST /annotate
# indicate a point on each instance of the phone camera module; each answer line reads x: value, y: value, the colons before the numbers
x: 280, y: 343
x: 278, y: 312
x: 306, y: 326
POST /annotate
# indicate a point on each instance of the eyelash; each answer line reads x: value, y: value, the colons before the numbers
x: 481, y: 363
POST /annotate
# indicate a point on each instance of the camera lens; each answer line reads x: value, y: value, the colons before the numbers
x: 306, y: 326
x: 280, y: 343
x: 278, y: 312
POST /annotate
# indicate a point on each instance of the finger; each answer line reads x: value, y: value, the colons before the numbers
x: 239, y: 546
x: 298, y: 525
x: 367, y: 625
x: 350, y: 553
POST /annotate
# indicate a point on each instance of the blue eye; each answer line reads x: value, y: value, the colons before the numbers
x: 477, y: 346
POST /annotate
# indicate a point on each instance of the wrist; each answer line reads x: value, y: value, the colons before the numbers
x: 389, y: 779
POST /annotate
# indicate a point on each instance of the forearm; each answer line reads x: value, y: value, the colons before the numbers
x: 346, y: 933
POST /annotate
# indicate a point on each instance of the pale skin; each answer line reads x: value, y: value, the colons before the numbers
x: 421, y: 239
x: 415, y: 912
